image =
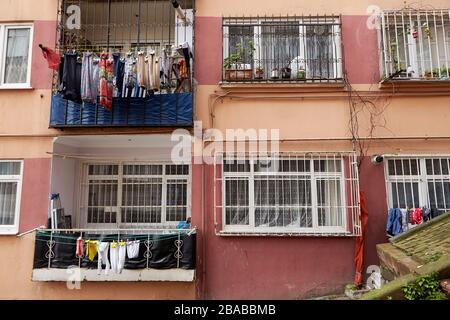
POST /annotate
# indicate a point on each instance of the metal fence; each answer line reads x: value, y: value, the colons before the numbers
x: 415, y: 44
x: 292, y: 49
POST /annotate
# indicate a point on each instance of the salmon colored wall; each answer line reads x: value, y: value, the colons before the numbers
x: 284, y: 7
x: 35, y: 193
x: 28, y: 10
x: 15, y: 276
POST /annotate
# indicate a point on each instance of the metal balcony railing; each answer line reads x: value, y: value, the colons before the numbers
x: 415, y: 44
x: 282, y: 49
x: 158, y: 249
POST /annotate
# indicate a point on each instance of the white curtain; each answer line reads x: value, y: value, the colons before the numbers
x: 16, y: 64
x: 8, y: 193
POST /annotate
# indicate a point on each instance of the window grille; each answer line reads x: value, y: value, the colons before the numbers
x: 130, y: 194
x: 415, y: 44
x: 415, y: 182
x: 303, y: 193
x: 306, y: 48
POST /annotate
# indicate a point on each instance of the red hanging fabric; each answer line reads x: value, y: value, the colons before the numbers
x: 359, y: 249
x: 53, y: 58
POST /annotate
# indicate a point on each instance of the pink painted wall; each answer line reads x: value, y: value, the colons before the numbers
x: 359, y: 42
x: 35, y: 193
x: 45, y: 34
x: 281, y: 268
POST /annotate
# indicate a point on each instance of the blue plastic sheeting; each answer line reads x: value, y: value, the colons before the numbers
x: 173, y: 109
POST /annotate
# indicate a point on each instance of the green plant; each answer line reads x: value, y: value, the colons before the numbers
x: 424, y: 288
x: 237, y: 57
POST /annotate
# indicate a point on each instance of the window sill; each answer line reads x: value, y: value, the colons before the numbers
x: 418, y: 85
x: 262, y: 233
x: 91, y: 275
x: 21, y: 87
x: 288, y: 85
x: 8, y: 231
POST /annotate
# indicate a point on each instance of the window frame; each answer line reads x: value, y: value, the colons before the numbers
x: 14, y: 228
x: 313, y: 177
x: 258, y: 24
x: 422, y: 178
x: 4, y: 27
x: 83, y: 194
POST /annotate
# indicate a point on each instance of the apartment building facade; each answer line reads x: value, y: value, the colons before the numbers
x: 342, y: 100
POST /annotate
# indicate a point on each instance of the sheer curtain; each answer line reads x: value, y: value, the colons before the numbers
x: 16, y: 63
x: 8, y: 192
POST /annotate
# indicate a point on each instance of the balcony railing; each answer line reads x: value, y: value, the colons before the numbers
x: 159, y: 249
x: 161, y: 110
x: 415, y: 44
x: 282, y: 49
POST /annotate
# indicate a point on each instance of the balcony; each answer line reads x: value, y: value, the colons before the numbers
x: 163, y: 255
x: 124, y: 64
x: 415, y: 45
x: 298, y: 50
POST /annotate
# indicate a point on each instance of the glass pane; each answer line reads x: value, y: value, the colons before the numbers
x: 102, y: 193
x: 282, y: 165
x: 403, y: 167
x: 103, y: 169
x: 9, y: 168
x: 236, y: 202
x: 139, y: 169
x: 319, y: 51
x: 8, y: 193
x: 239, y: 38
x: 439, y: 194
x: 17, y: 49
x: 330, y: 165
x: 177, y: 169
x: 405, y: 194
x: 231, y: 165
x: 176, y: 200
x: 330, y: 211
x: 437, y: 166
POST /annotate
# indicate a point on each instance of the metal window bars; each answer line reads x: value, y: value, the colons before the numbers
x: 415, y: 182
x: 415, y: 44
x: 148, y: 236
x: 282, y: 49
x: 287, y: 193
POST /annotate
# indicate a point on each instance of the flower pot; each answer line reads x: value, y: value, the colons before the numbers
x: 301, y: 75
x: 259, y: 74
x: 274, y: 74
x: 238, y: 74
x: 286, y: 73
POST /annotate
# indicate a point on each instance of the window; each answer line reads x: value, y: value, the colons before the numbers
x: 15, y: 55
x: 418, y: 182
x: 415, y: 44
x: 10, y: 188
x: 131, y: 194
x: 294, y: 48
x: 287, y: 194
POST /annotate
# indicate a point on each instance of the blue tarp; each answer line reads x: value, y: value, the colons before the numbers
x: 173, y: 109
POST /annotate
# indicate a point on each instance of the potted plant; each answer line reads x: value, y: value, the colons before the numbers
x: 301, y: 74
x: 274, y: 74
x: 234, y: 67
x: 286, y: 73
x: 259, y: 72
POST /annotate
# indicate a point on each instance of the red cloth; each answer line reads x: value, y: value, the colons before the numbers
x: 53, y: 58
x: 79, y: 253
x: 359, y: 248
x: 416, y: 216
x: 106, y: 81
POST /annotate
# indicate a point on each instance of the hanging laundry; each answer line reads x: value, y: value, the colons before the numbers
x: 165, y: 63
x: 79, y: 252
x: 71, y: 79
x: 119, y: 73
x: 142, y: 71
x: 133, y: 249
x: 416, y: 216
x: 426, y: 214
x: 91, y: 249
x: 129, y: 80
x: 53, y: 58
x: 106, y: 74
x: 394, y: 222
x: 405, y: 220
x: 103, y: 248
x: 89, y: 89
x: 117, y: 255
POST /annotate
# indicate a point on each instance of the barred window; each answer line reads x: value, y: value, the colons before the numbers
x: 290, y: 48
x: 10, y: 188
x: 419, y: 182
x: 135, y: 194
x: 283, y: 194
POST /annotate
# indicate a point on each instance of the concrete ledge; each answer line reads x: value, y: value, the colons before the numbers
x: 395, y: 260
x: 80, y: 274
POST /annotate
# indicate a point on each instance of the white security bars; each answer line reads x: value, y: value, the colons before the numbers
x: 415, y: 182
x: 134, y: 194
x: 287, y: 193
x: 415, y: 44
